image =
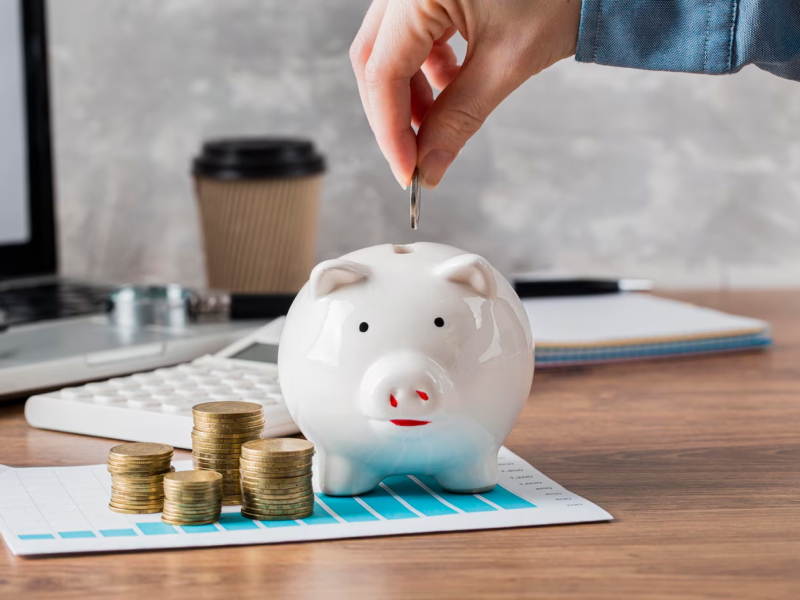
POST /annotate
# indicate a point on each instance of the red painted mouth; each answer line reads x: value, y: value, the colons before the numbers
x: 409, y: 422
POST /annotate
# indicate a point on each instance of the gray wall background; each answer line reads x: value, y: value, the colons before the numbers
x: 692, y: 180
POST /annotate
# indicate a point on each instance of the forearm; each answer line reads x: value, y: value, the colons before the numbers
x: 694, y: 36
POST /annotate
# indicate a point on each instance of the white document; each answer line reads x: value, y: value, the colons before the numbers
x: 65, y: 509
x: 619, y: 318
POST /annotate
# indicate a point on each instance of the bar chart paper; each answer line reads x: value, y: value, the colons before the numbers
x: 65, y: 509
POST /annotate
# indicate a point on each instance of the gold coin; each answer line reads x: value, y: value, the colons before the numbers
x: 136, y: 505
x: 124, y: 485
x: 228, y: 408
x: 141, y: 477
x: 237, y: 431
x: 127, y: 496
x: 267, y: 496
x: 220, y: 455
x: 134, y: 511
x: 189, y: 477
x: 225, y: 437
x: 137, y: 473
x: 184, y: 511
x: 200, y: 446
x: 140, y: 450
x: 259, y: 516
x: 257, y: 504
x: 191, y: 519
x: 276, y: 460
x: 280, y: 447
x: 276, y: 484
x: 218, y: 418
x: 262, y: 504
x: 266, y: 468
x: 277, y: 494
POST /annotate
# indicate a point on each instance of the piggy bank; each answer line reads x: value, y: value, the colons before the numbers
x: 402, y: 360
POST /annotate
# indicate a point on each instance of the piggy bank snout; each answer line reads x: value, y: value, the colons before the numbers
x: 402, y: 386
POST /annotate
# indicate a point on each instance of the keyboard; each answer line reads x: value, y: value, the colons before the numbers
x: 53, y: 299
x: 156, y: 406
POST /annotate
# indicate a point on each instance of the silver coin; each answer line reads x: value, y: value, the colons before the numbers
x: 416, y: 199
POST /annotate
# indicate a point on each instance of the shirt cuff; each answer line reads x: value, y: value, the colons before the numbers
x: 690, y: 36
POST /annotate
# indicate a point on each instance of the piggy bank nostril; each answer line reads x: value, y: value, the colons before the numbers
x: 422, y: 395
x: 392, y: 401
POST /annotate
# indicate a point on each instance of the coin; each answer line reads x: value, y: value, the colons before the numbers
x: 182, y: 523
x: 228, y: 408
x: 276, y: 484
x: 266, y: 516
x: 229, y: 438
x: 416, y: 199
x: 277, y: 503
x: 277, y: 494
x: 139, y: 450
x: 226, y: 428
x: 232, y: 502
x: 263, y: 465
x: 134, y: 511
x: 192, y: 477
x: 278, y: 447
x: 133, y: 497
x: 226, y: 419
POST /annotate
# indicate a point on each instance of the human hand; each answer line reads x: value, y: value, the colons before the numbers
x: 402, y: 50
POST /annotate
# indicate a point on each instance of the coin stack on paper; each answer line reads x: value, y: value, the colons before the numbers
x: 137, y: 477
x: 276, y: 479
x: 192, y: 498
x: 220, y: 429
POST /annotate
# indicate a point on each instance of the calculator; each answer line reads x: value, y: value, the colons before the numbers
x: 156, y: 406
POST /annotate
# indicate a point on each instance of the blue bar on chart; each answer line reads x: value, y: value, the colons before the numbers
x: 156, y: 528
x: 71, y: 535
x: 505, y: 499
x: 118, y: 532
x: 273, y: 524
x: 236, y: 522
x: 320, y: 516
x: 348, y: 508
x: 466, y: 502
x: 37, y: 536
x: 208, y: 528
x: 417, y: 497
x: 386, y: 505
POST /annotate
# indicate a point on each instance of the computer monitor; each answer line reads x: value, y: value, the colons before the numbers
x: 27, y: 230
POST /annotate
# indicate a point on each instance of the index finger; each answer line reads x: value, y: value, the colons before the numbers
x: 404, y: 41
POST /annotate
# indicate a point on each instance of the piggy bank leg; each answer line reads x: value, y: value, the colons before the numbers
x: 473, y: 477
x: 341, y: 476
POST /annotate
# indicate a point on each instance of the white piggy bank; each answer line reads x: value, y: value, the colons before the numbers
x: 402, y: 360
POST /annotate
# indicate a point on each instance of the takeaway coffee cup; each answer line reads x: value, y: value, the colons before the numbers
x: 258, y: 200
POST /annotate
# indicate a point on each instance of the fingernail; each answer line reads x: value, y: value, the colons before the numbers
x: 400, y: 181
x: 433, y: 167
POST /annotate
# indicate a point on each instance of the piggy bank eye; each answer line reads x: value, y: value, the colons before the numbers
x: 439, y: 322
x: 363, y: 327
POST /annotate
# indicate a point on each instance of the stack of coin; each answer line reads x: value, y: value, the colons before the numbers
x: 220, y: 429
x: 192, y: 498
x: 137, y: 477
x: 276, y: 479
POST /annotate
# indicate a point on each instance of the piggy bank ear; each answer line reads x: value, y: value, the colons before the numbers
x: 471, y: 270
x: 333, y: 274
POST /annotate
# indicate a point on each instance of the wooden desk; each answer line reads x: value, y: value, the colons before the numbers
x: 698, y: 461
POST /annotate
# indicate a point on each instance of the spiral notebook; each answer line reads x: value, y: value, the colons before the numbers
x: 621, y: 327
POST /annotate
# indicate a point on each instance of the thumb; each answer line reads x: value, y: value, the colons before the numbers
x: 483, y: 81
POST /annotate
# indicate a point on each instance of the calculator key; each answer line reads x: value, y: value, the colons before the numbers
x: 75, y: 394
x: 238, y: 383
x: 156, y: 387
x: 270, y: 388
x: 278, y: 398
x: 262, y: 400
x: 98, y: 387
x: 107, y: 398
x: 142, y: 401
x: 223, y: 396
x: 120, y: 382
x: 202, y: 379
x: 188, y: 391
x: 176, y: 405
x: 249, y: 392
x: 211, y: 388
x: 144, y: 377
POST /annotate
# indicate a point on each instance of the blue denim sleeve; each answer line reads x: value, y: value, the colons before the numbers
x: 694, y: 36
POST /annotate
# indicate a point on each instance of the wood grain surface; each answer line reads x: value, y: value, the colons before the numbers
x: 697, y: 459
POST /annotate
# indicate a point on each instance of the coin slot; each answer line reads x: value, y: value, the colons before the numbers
x: 403, y: 249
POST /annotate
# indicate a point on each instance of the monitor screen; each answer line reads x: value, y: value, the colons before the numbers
x: 15, y: 227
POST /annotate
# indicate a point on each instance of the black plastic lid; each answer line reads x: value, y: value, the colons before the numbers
x: 257, y: 158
